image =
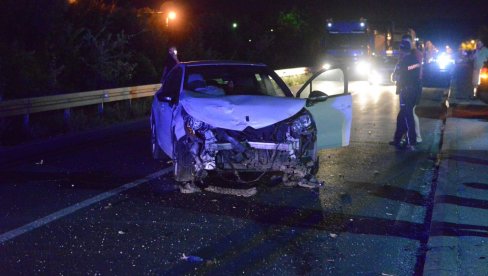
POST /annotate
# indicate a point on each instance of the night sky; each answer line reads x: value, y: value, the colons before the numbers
x: 437, y: 20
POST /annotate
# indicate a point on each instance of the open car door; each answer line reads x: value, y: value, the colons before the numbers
x: 331, y: 106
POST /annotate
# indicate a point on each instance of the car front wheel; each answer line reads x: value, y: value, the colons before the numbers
x: 183, y: 164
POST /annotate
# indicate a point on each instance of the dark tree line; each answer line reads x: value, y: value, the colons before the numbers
x: 54, y: 46
x: 62, y: 46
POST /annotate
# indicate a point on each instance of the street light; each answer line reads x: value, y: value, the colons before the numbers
x: 171, y: 16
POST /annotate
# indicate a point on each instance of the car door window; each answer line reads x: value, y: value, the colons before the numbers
x: 331, y: 82
x: 171, y: 87
x: 268, y: 84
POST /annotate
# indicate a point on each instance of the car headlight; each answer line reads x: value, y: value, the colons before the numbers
x: 444, y: 60
x: 363, y: 67
x: 301, y: 125
x: 193, y: 125
x: 375, y: 77
x: 326, y: 66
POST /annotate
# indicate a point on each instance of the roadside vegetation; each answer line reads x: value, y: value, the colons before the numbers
x: 58, y: 46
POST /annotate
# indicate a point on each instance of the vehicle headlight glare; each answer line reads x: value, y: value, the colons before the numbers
x: 375, y: 77
x: 363, y: 67
x: 443, y: 60
x: 326, y: 66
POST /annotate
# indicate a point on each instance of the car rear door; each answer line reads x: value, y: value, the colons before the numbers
x: 332, y: 113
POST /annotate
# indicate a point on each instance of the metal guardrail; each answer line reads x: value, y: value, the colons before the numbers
x: 29, y: 106
x: 65, y: 101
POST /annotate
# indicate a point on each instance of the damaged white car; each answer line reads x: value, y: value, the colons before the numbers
x: 233, y: 118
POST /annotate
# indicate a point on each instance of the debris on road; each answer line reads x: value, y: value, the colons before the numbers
x: 190, y: 258
x: 230, y: 191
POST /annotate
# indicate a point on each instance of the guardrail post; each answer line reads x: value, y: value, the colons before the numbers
x: 26, y: 122
x: 100, y: 108
x: 26, y: 117
x: 100, y: 105
x: 67, y: 114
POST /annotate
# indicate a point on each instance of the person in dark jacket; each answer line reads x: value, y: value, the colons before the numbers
x: 170, y: 62
x: 407, y: 75
x: 420, y: 56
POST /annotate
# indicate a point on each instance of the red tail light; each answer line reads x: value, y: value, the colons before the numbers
x: 484, y: 75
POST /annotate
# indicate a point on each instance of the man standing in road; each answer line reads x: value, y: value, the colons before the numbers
x: 407, y: 75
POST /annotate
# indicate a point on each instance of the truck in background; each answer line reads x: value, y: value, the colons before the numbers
x: 347, y: 43
x: 359, y: 45
x: 387, y: 38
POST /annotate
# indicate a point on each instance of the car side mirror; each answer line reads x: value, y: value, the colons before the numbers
x: 315, y: 97
x: 163, y: 98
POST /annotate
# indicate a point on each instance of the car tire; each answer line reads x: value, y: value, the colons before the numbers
x: 183, y: 165
x: 156, y: 150
x: 315, y: 168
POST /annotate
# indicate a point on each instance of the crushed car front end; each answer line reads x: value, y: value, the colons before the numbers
x: 288, y: 146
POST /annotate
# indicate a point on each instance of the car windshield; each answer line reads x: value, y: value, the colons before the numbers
x: 219, y: 80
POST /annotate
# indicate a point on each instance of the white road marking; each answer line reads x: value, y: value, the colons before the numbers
x: 80, y: 205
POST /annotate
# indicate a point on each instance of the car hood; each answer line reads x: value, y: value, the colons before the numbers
x: 240, y: 111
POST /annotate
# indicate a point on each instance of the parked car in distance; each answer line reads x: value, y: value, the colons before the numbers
x: 238, y: 117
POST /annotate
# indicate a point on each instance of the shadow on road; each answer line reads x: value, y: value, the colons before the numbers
x: 458, y: 230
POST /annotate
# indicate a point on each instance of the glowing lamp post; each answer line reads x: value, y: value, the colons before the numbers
x: 171, y: 16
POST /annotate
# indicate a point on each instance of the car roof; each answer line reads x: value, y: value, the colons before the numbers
x: 220, y: 62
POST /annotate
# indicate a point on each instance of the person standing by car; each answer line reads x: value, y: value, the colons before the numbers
x: 479, y: 58
x: 170, y: 62
x: 407, y: 75
x: 429, y: 51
